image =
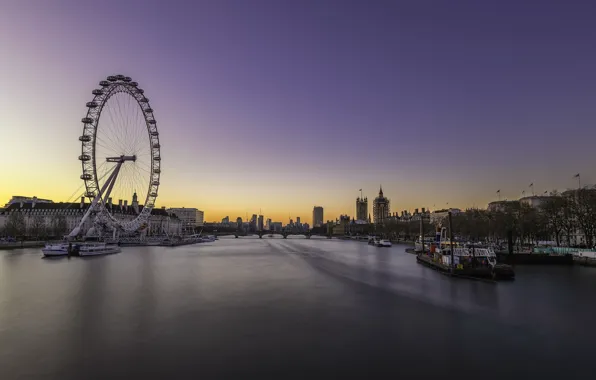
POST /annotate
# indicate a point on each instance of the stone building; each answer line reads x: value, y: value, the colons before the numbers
x: 380, y: 208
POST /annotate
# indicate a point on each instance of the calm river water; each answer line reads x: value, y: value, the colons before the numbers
x: 295, y: 308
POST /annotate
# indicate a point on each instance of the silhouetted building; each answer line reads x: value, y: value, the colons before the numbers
x: 361, y: 208
x: 317, y: 216
x: 380, y: 208
x: 260, y: 223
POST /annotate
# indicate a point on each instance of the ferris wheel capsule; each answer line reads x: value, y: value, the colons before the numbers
x: 85, y: 138
x: 97, y: 91
x: 112, y: 78
x: 120, y: 77
x: 134, y: 84
x: 140, y: 91
x: 127, y: 79
x: 148, y: 110
x: 104, y: 83
x: 84, y: 157
x: 86, y: 176
x: 87, y: 120
x: 91, y: 104
x: 144, y: 100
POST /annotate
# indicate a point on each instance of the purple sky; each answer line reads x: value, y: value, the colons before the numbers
x: 282, y: 105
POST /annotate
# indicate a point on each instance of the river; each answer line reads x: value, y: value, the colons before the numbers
x: 286, y: 308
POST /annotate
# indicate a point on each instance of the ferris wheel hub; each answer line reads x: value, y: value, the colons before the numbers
x: 121, y: 159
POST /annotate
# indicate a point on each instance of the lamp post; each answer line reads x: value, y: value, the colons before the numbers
x: 451, y: 241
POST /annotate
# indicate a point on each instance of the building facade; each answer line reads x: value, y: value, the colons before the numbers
x: 317, y: 216
x: 58, y: 219
x: 260, y: 225
x: 380, y: 208
x: 362, y: 208
x: 189, y: 217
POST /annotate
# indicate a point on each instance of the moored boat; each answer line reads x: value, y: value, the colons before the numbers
x: 418, y: 246
x: 383, y: 243
x: 52, y: 250
x: 96, y: 249
x: 456, y: 259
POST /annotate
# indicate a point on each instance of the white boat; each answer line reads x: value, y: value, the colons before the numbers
x: 384, y: 243
x: 97, y: 249
x: 208, y: 239
x: 60, y: 249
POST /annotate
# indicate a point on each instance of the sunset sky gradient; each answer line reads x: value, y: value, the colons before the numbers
x: 283, y: 105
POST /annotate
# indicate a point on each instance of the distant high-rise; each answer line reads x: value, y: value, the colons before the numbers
x: 260, y: 223
x: 268, y: 224
x: 317, y: 216
x: 298, y: 220
x: 239, y: 223
x: 361, y: 208
x: 226, y: 220
x: 380, y: 208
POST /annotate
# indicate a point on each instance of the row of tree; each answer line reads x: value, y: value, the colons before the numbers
x: 558, y: 218
x: 38, y: 227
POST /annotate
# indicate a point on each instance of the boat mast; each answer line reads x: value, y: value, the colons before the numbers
x: 422, y: 234
x: 451, y: 240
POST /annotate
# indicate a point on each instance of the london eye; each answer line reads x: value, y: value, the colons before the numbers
x: 120, y: 153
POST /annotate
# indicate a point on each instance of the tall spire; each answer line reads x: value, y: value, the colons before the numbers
x: 380, y: 190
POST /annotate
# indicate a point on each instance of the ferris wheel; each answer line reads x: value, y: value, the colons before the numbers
x: 120, y: 153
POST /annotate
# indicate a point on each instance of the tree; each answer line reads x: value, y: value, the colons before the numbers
x: 569, y: 224
x: 38, y: 226
x: 553, y: 215
x: 15, y: 225
x: 59, y: 225
x: 585, y: 213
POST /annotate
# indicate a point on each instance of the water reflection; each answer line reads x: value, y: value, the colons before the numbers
x: 253, y: 306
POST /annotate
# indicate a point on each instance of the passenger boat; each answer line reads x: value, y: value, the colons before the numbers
x: 51, y: 250
x: 96, y: 249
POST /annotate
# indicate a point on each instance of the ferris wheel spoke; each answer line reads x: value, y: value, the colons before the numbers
x: 113, y: 130
x: 107, y: 146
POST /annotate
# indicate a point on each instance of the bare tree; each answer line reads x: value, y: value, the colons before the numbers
x: 15, y: 225
x: 553, y: 214
x: 585, y: 213
x: 38, y: 226
x: 59, y: 225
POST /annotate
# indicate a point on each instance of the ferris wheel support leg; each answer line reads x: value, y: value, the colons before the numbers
x: 109, y: 182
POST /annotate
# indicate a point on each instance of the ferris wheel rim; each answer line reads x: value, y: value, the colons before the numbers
x: 108, y: 88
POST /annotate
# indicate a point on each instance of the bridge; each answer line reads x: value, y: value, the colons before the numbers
x: 260, y: 234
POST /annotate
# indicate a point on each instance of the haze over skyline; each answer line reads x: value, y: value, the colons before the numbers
x: 280, y: 106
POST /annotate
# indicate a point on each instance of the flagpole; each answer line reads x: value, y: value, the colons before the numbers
x: 579, y: 181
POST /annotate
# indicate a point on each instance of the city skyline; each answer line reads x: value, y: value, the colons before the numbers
x: 293, y: 81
